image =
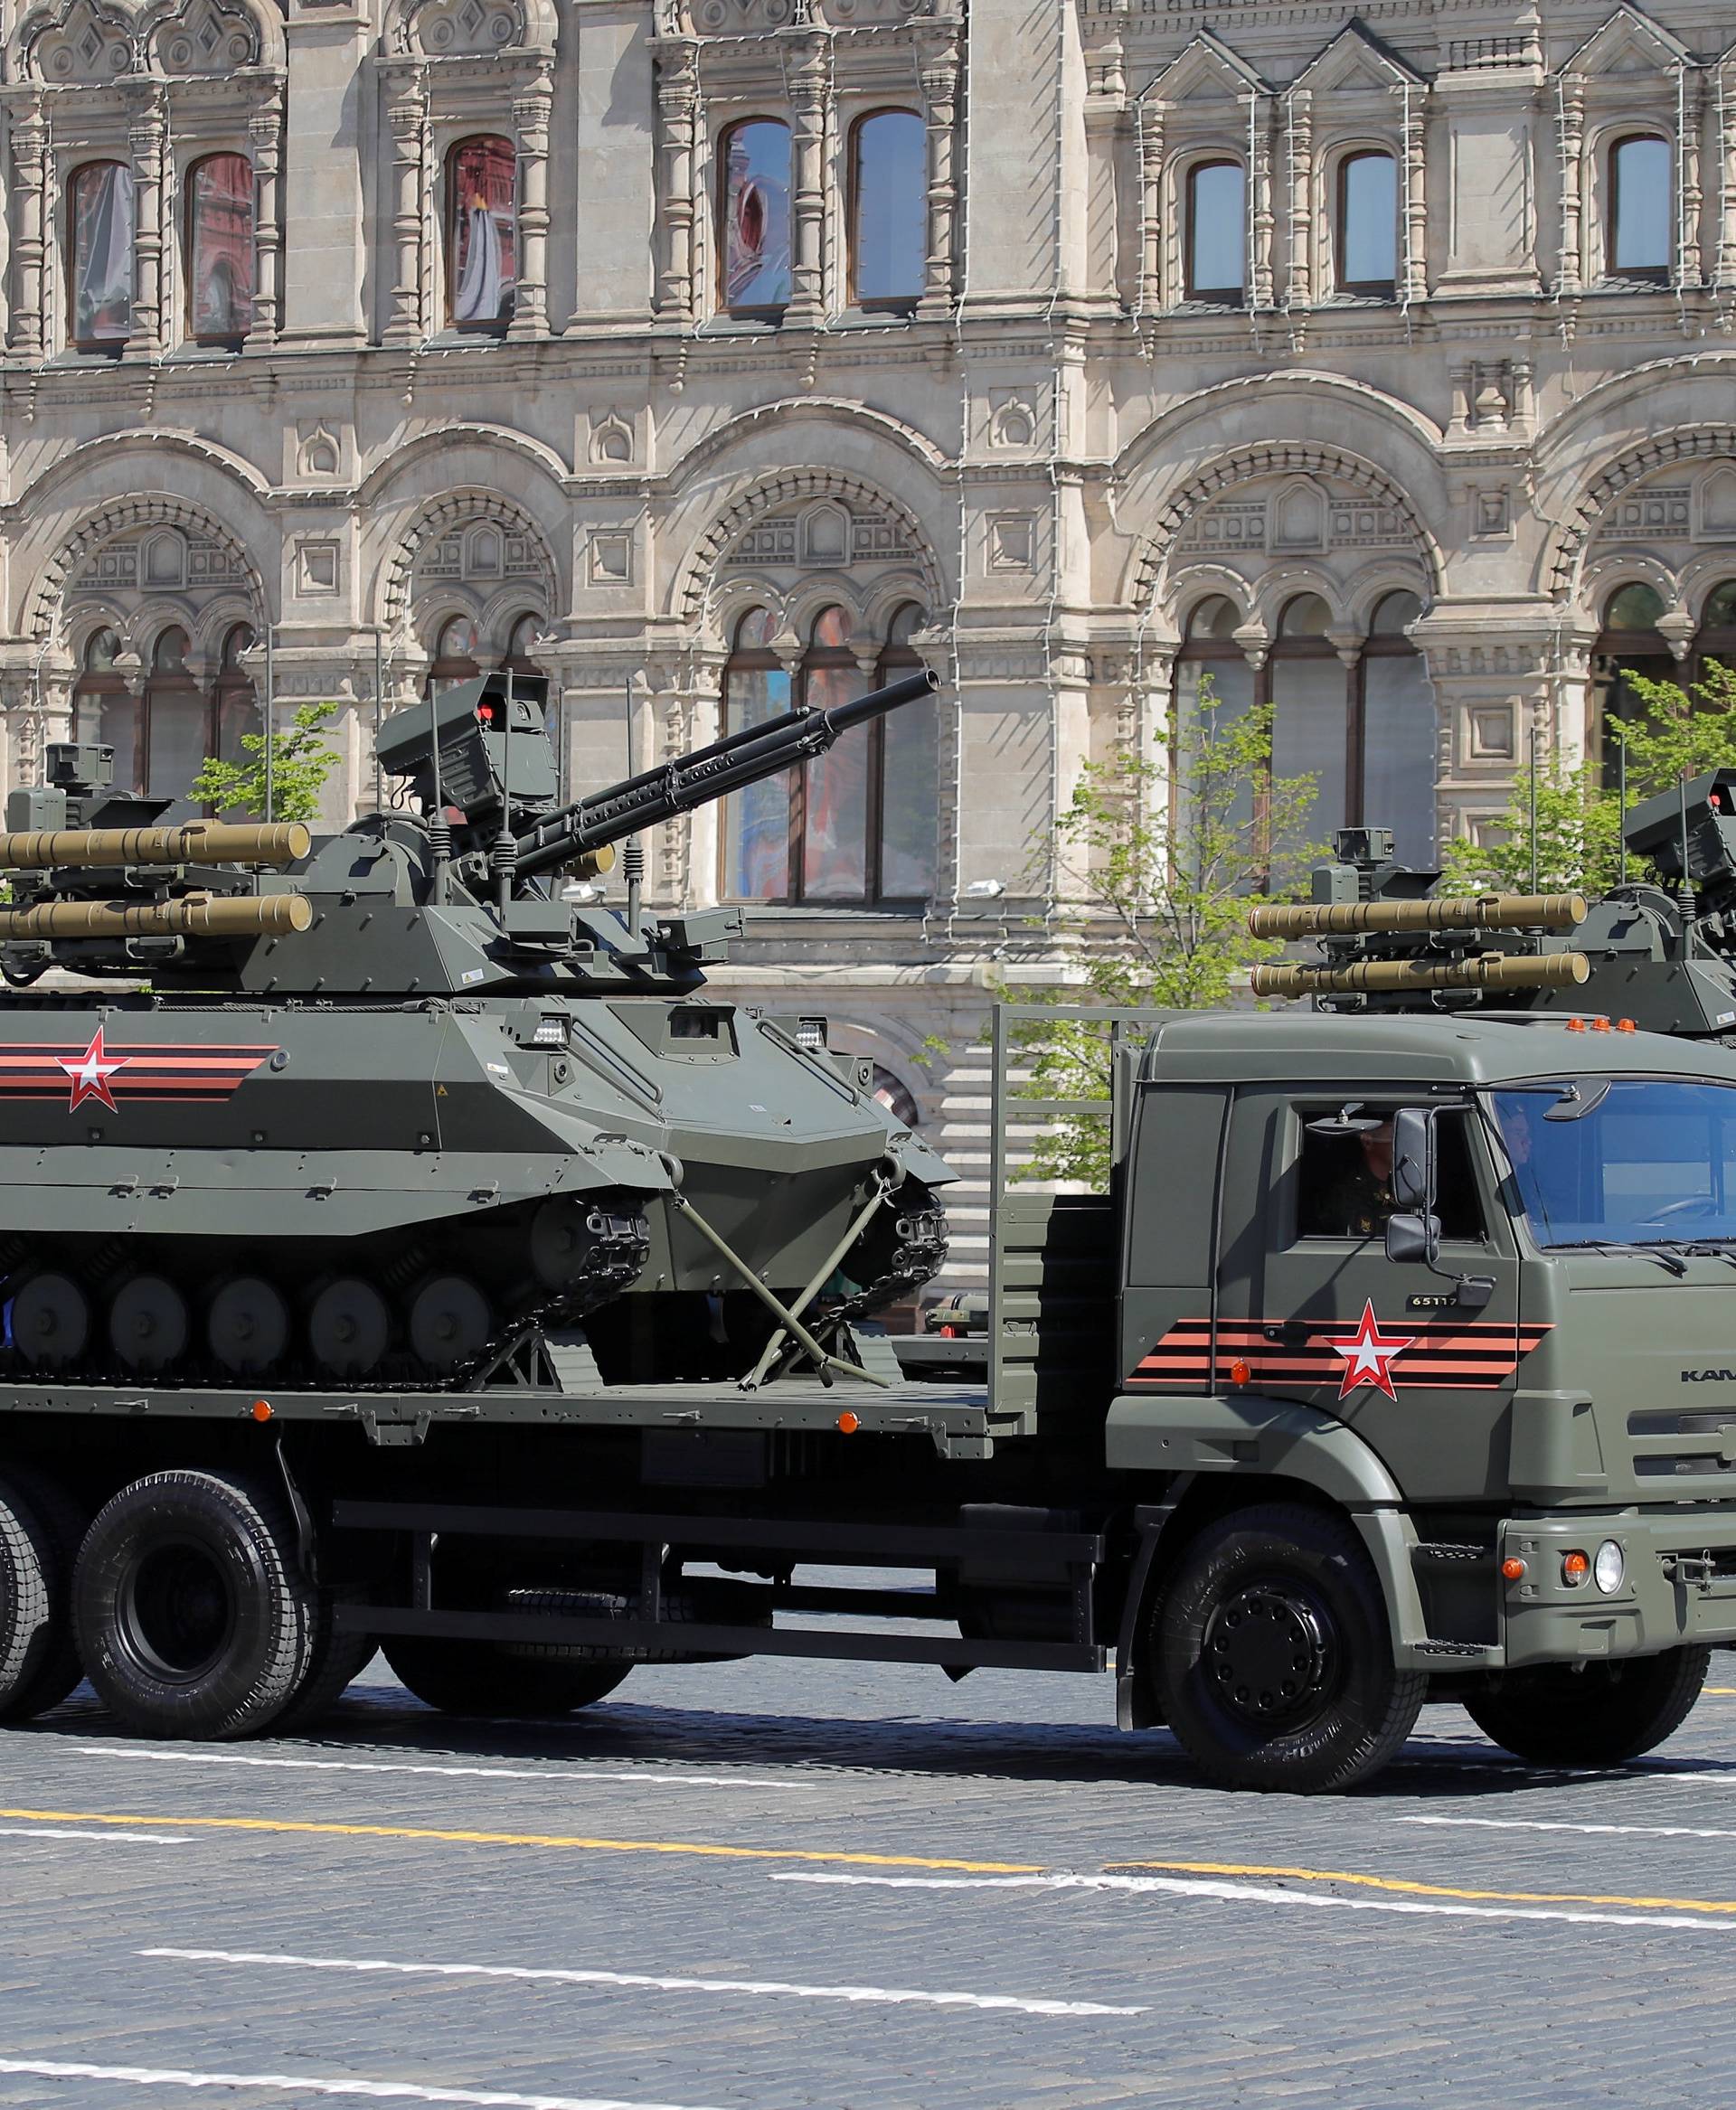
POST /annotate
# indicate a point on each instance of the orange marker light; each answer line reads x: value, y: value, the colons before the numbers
x: 263, y: 1410
x: 848, y: 1423
x: 1513, y: 1568
x: 1600, y: 1025
x: 1626, y: 1025
x: 1576, y: 1025
x: 1239, y: 1372
x: 1575, y: 1567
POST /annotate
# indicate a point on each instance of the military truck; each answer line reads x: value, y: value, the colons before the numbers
x: 1392, y: 1364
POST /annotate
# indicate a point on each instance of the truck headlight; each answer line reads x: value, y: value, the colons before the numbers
x: 1608, y: 1567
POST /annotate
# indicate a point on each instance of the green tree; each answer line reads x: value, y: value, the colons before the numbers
x: 1684, y: 732
x: 1157, y: 868
x: 301, y: 761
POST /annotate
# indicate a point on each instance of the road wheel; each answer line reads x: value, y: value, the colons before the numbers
x: 1273, y: 1656
x: 48, y: 1525
x: 1601, y: 1715
x: 337, y: 1661
x: 478, y: 1678
x: 192, y: 1615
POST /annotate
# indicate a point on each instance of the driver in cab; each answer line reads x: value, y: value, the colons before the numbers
x: 1358, y: 1202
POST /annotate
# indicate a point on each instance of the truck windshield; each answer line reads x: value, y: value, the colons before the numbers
x: 1653, y: 1161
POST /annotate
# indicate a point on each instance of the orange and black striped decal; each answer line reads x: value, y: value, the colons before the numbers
x: 1448, y: 1355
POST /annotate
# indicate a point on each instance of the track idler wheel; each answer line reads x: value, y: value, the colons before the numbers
x: 449, y: 1322
x: 247, y: 1326
x: 50, y: 1320
x: 349, y: 1327
x: 148, y: 1322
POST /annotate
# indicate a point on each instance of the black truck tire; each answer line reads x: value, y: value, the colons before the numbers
x: 40, y: 1530
x: 192, y: 1615
x: 1601, y: 1715
x: 337, y: 1661
x: 1274, y: 1658
x: 480, y: 1677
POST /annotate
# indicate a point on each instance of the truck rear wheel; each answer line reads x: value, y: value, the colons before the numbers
x: 1273, y: 1656
x: 38, y: 1541
x: 1601, y: 1715
x: 192, y: 1615
x: 337, y: 1661
x: 478, y: 1678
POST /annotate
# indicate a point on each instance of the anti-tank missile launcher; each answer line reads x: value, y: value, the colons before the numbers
x: 401, y: 1108
x: 1659, y: 951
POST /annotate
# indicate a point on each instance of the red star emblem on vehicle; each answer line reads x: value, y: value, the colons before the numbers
x: 1368, y: 1354
x: 90, y: 1073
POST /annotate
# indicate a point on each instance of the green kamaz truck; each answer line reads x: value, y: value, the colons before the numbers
x: 1395, y: 1363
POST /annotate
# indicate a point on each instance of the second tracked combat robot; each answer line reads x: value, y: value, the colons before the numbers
x: 395, y: 1109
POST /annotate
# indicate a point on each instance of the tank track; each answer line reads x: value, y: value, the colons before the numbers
x: 612, y: 1265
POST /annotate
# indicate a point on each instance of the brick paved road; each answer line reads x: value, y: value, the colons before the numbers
x: 733, y: 1798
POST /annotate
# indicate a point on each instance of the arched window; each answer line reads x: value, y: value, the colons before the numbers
x: 520, y: 656
x: 1368, y: 225
x: 1210, y: 665
x: 1310, y: 701
x: 756, y: 821
x: 100, y: 256
x: 1393, y: 723
x: 455, y: 653
x: 888, y: 209
x: 1630, y: 644
x: 220, y: 248
x: 857, y: 824
x: 237, y: 705
x: 481, y: 232
x: 177, y: 717
x: 104, y: 711
x: 1640, y: 209
x: 1216, y: 238
x: 1717, y: 639
x: 753, y: 217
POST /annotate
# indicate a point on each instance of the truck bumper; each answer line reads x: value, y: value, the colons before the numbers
x: 1678, y: 1585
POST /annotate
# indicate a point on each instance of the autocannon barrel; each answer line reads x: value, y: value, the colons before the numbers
x: 1388, y: 978
x: 1462, y: 912
x: 274, y: 842
x: 732, y: 764
x: 190, y: 916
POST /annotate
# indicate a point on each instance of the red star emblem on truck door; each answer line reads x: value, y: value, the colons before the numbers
x: 1368, y: 1354
x: 90, y: 1073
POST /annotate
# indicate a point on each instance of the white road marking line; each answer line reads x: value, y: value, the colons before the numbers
x: 565, y: 1776
x: 102, y: 1838
x: 282, y: 2083
x: 1552, y: 1824
x: 1254, y: 1894
x: 893, y: 1995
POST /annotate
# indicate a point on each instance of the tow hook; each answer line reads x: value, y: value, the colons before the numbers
x: 1692, y: 1570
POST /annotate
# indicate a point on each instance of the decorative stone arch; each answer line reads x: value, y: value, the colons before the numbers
x: 694, y: 584
x: 125, y: 515
x: 1278, y: 458
x: 833, y: 410
x: 467, y: 28
x: 1564, y: 553
x: 212, y: 39
x: 458, y: 510
x: 498, y: 439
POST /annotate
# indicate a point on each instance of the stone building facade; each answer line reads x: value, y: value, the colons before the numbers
x: 711, y: 353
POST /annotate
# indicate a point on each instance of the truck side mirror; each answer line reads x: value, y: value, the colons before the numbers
x: 1413, y: 1159
x: 1414, y: 1238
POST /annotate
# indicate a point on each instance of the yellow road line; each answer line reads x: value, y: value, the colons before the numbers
x: 1231, y: 1868
x: 551, y: 1839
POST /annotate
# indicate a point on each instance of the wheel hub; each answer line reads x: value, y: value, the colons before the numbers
x: 1268, y: 1654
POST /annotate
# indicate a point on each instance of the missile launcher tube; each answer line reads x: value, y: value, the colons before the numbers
x: 1464, y: 912
x: 1491, y: 971
x: 279, y: 842
x: 190, y: 916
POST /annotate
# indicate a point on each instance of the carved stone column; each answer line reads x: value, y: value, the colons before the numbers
x: 807, y: 96
x: 265, y: 134
x: 1260, y: 288
x: 1568, y: 279
x: 677, y: 118
x: 939, y: 76
x: 1690, y: 268
x: 1150, y: 122
x: 531, y: 129
x: 146, y: 129
x: 405, y: 115
x: 1725, y: 273
x: 1300, y: 278
x: 30, y: 168
x: 1414, y: 264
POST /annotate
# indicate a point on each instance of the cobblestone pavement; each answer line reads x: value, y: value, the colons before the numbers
x: 767, y: 1885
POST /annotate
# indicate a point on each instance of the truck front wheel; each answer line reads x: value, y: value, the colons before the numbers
x: 1600, y: 1714
x: 480, y: 1677
x: 40, y: 1531
x: 1273, y: 1655
x: 193, y: 1616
